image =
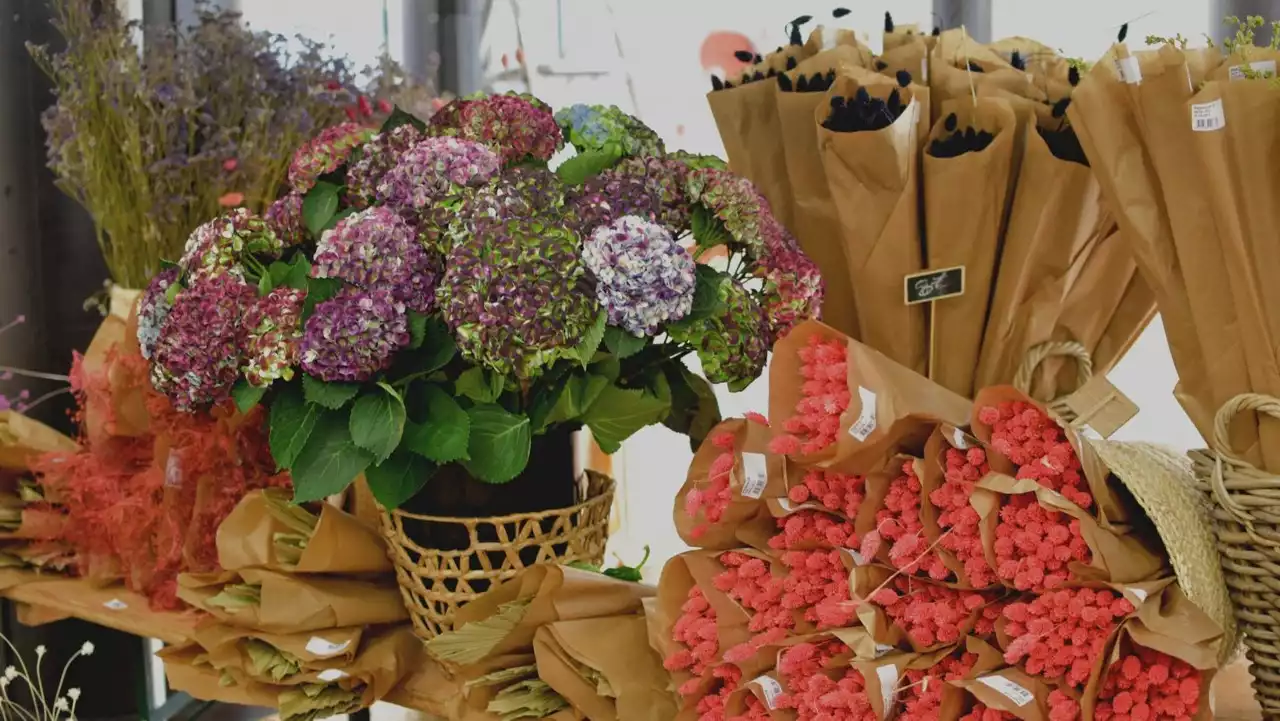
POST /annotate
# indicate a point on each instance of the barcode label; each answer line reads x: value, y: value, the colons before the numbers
x: 116, y: 604
x: 318, y: 646
x: 1129, y: 70
x: 331, y: 674
x: 755, y: 474
x: 1008, y: 689
x: 1262, y: 68
x: 866, y: 423
x: 1207, y: 117
x: 888, y: 675
x: 771, y: 690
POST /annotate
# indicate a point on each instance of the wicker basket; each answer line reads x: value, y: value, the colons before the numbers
x: 436, y: 583
x: 1246, y: 519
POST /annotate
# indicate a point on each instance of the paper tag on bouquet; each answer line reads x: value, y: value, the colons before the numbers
x: 1100, y: 408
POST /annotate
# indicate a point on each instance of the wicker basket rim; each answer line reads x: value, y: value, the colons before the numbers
x: 593, y: 498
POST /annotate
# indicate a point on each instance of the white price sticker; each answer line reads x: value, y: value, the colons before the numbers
x: 1208, y: 117
x: 924, y: 70
x: 173, y: 472
x: 318, y: 646
x: 959, y: 440
x: 1140, y: 594
x: 882, y: 649
x: 857, y: 556
x: 1008, y: 689
x: 116, y: 604
x: 771, y: 690
x: 755, y: 474
x: 1262, y: 68
x: 888, y: 675
x: 1129, y: 70
x: 331, y: 674
x: 866, y: 423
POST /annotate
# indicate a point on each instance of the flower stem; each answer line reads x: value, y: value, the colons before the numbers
x: 34, y: 374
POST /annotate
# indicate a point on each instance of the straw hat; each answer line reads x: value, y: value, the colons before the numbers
x: 1162, y: 482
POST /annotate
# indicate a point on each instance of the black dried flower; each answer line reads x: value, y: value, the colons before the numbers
x: 784, y: 83
x: 1060, y: 107
x: 744, y: 56
x: 888, y: 22
x: 791, y: 63
x: 904, y: 78
x: 840, y: 12
x: 974, y: 67
x: 716, y: 83
x: 1015, y: 59
x: 1124, y: 33
x: 937, y: 31
x: 950, y: 123
x: 881, y: 65
x: 1073, y: 75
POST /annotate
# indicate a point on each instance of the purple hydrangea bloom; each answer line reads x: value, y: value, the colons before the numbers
x: 375, y: 249
x: 649, y: 188
x: 153, y: 308
x: 733, y: 346
x: 644, y: 278
x: 197, y: 356
x: 284, y: 217
x: 736, y: 202
x: 219, y: 246
x: 521, y: 192
x: 354, y: 335
x: 516, y: 295
x: 516, y: 127
x: 325, y: 153
x: 274, y: 324
x: 434, y: 170
x: 375, y: 159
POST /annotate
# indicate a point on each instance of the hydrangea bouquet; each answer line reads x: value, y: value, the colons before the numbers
x: 435, y: 294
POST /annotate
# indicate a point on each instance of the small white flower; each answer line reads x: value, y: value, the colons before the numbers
x: 61, y: 704
x: 73, y: 694
x: 40, y: 651
x: 10, y: 673
x: 4, y: 682
x: 87, y: 649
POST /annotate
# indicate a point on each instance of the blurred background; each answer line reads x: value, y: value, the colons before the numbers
x: 652, y: 58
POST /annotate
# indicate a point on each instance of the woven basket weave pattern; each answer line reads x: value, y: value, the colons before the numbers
x: 436, y: 583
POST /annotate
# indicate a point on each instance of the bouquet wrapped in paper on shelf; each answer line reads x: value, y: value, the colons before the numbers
x: 945, y: 197
x: 881, y: 547
x: 31, y: 517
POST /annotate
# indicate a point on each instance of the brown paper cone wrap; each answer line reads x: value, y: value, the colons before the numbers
x: 198, y: 679
x: 902, y: 34
x: 884, y: 677
x: 911, y: 56
x: 1101, y: 113
x: 339, y: 544
x: 1131, y: 317
x: 1011, y: 690
x: 224, y: 644
x: 965, y: 200
x: 955, y: 701
x: 873, y: 177
x: 123, y: 411
x: 905, y: 409
x: 616, y: 647
x: 553, y: 593
x: 22, y: 440
x: 751, y: 448
x: 827, y: 39
x: 294, y: 604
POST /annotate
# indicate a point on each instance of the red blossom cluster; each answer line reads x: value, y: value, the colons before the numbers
x: 1062, y: 633
x: 980, y: 712
x: 813, y: 529
x: 695, y: 634
x: 824, y: 397
x: 899, y: 522
x: 1034, y: 442
x: 959, y: 518
x: 930, y: 614
x: 1147, y: 685
x: 837, y: 492
x: 1062, y: 707
x: 749, y: 581
x: 1035, y: 545
x: 817, y: 583
x: 713, y: 706
x: 813, y: 693
x: 921, y: 699
x: 713, y: 500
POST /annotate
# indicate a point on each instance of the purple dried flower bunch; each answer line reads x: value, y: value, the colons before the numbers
x: 435, y: 293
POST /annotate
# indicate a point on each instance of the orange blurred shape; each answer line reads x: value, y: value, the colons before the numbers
x: 718, y: 49
x: 231, y: 200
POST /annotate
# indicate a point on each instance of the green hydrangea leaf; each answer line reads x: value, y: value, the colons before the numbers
x: 708, y: 230
x: 618, y: 413
x: 586, y: 350
x: 247, y: 395
x: 328, y: 395
x: 377, y: 421
x: 319, y: 206
x: 290, y: 424
x: 330, y: 460
x: 399, y: 478
x: 443, y: 435
x: 479, y: 385
x: 400, y: 117
x: 706, y: 295
x: 579, y: 394
x: 499, y: 445
x: 622, y: 344
x: 591, y: 163
x: 695, y: 410
x: 417, y: 329
x: 318, y: 291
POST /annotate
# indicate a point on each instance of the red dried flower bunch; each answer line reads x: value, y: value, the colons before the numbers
x: 1034, y: 442
x: 1147, y: 685
x: 836, y: 492
x: 808, y: 529
x: 713, y: 500
x: 1035, y: 545
x: 1061, y: 633
x: 695, y: 635
x: 813, y: 693
x: 959, y: 518
x: 712, y: 706
x: 749, y: 581
x: 817, y: 583
x: 824, y: 397
x: 921, y: 699
x: 980, y: 712
x: 1062, y: 707
x: 899, y: 522
x: 931, y: 615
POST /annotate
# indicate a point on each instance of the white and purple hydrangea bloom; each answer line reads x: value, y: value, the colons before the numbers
x: 375, y: 249
x: 274, y: 324
x: 354, y: 335
x: 284, y: 217
x: 376, y: 158
x: 644, y: 278
x: 221, y: 245
x: 434, y: 170
x: 198, y: 354
x: 153, y: 308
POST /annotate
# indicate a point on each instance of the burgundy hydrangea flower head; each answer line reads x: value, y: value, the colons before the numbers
x: 274, y: 324
x: 647, y: 188
x: 220, y: 245
x: 375, y: 249
x: 517, y: 127
x: 733, y: 346
x: 793, y: 285
x: 521, y: 192
x: 197, y: 356
x: 284, y: 217
x: 433, y: 171
x: 516, y: 295
x: 354, y: 335
x: 153, y: 308
x: 736, y: 202
x: 325, y: 153
x: 644, y: 278
x: 375, y: 159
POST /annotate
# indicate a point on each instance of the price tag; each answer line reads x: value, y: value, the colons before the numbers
x: 331, y: 674
x: 857, y: 556
x: 1260, y: 69
x: 1008, y: 689
x: 116, y: 604
x: 1129, y: 70
x: 318, y: 646
x: 1139, y: 593
x: 933, y: 285
x: 924, y: 70
x: 1208, y: 117
x: 1100, y: 408
x: 755, y: 474
x: 173, y: 472
x: 882, y: 649
x: 888, y: 675
x: 866, y: 423
x: 771, y: 690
